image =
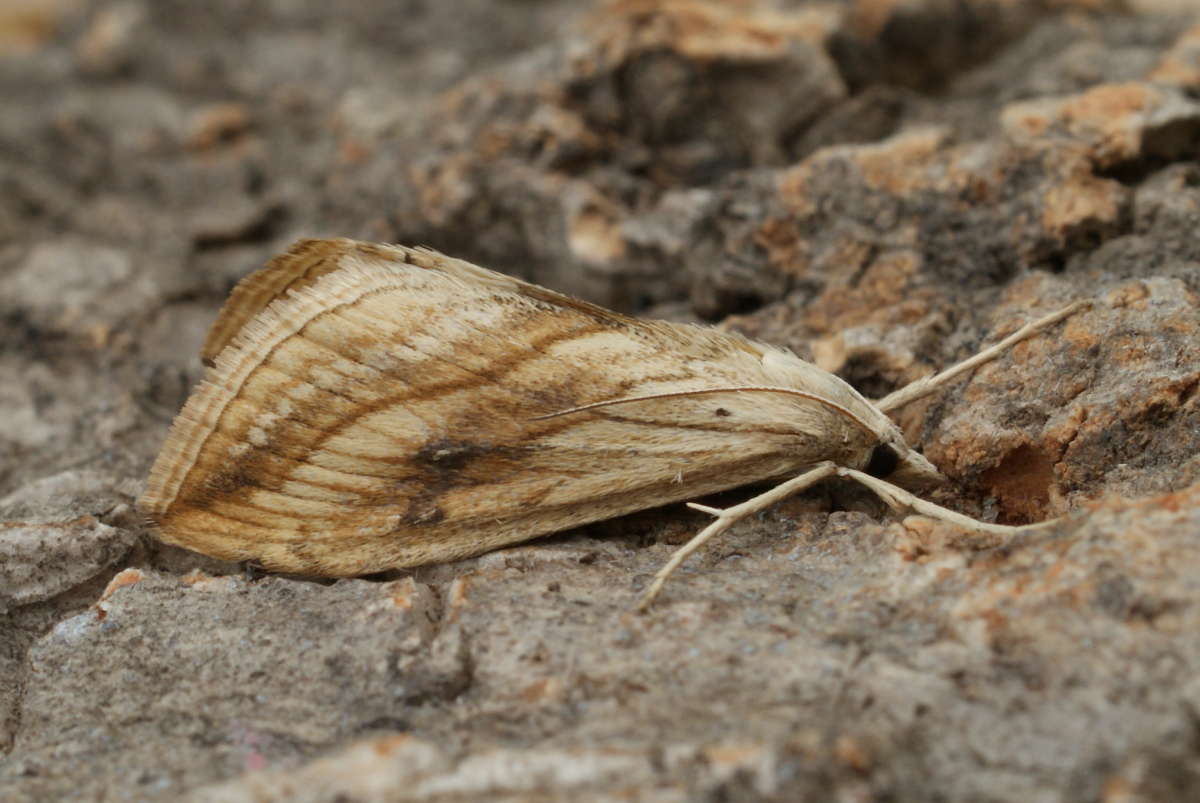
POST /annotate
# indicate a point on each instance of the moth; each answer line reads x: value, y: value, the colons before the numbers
x: 371, y: 407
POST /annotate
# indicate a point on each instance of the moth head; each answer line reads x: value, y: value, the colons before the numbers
x: 886, y: 454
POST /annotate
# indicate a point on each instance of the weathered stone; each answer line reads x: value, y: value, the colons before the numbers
x: 883, y: 187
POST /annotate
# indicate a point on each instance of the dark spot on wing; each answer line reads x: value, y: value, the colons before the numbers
x: 446, y: 455
x: 446, y: 463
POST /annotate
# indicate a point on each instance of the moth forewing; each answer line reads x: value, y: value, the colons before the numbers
x: 384, y: 414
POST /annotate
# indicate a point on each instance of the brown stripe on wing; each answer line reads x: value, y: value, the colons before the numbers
x: 205, y: 483
x: 300, y: 266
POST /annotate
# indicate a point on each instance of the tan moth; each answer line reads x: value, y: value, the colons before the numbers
x: 371, y: 407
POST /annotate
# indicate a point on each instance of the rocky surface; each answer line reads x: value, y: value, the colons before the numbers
x: 883, y: 187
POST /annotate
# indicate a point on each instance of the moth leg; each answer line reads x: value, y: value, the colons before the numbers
x: 894, y: 496
x: 901, y: 500
x: 728, y: 517
x: 926, y: 385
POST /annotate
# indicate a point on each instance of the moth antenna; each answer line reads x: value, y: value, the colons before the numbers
x: 735, y: 389
x: 923, y: 387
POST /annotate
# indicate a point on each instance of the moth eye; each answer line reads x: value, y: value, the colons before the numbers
x: 883, y: 462
x: 722, y: 412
